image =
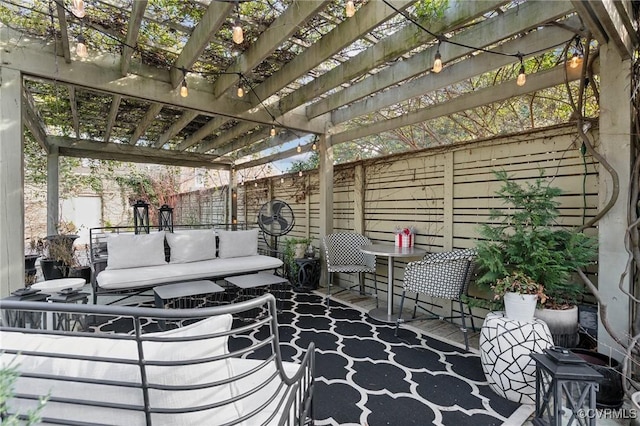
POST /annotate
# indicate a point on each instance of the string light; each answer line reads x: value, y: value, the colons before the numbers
x: 81, y: 47
x: 77, y: 8
x: 522, y: 77
x: 184, y: 91
x: 255, y: 184
x: 273, y: 130
x: 281, y: 180
x: 314, y: 146
x: 300, y: 173
x: 236, y: 33
x: 575, y: 60
x: 299, y: 148
x: 350, y: 9
x: 240, y: 91
x: 437, y: 63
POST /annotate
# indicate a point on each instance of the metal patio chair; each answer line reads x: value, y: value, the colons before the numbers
x: 443, y: 275
x: 342, y: 254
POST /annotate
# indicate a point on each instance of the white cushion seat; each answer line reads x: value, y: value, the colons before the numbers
x: 146, y: 276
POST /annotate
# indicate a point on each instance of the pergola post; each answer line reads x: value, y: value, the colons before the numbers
x: 53, y: 192
x: 12, y: 178
x: 358, y: 200
x: 232, y: 209
x: 325, y: 176
x: 615, y: 146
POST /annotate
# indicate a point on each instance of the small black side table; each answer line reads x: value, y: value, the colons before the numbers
x: 308, y: 274
x: 67, y: 321
x: 24, y: 319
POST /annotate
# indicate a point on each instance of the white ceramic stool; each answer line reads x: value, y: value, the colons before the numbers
x: 505, y: 348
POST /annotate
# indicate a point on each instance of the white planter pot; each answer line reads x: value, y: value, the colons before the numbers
x: 520, y: 307
x: 563, y: 324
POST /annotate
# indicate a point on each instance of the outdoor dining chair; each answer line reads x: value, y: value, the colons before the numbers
x: 342, y: 254
x: 442, y: 275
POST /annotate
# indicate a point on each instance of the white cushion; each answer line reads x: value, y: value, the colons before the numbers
x: 174, y: 272
x: 188, y: 375
x: 192, y: 246
x: 132, y: 251
x: 238, y: 243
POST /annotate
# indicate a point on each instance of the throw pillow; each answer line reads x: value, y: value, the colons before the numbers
x: 192, y: 246
x: 133, y: 251
x: 238, y: 243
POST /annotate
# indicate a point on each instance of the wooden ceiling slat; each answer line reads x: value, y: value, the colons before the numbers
x: 487, y: 33
x: 146, y: 121
x: 460, y: 71
x: 111, y: 118
x: 175, y: 128
x: 64, y: 33
x: 137, y: 13
x: 211, y: 22
x: 74, y: 111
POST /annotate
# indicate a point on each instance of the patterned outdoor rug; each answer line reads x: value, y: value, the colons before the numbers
x: 367, y: 376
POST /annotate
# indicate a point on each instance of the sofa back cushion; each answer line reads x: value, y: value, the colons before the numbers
x: 192, y: 245
x: 192, y: 363
x: 132, y: 251
x: 237, y: 243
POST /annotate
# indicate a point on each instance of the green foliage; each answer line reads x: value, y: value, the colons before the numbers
x: 8, y: 376
x: 517, y: 282
x: 527, y: 239
x: 313, y: 162
x: 290, y: 258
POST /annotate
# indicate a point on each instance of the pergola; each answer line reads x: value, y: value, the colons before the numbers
x: 306, y: 68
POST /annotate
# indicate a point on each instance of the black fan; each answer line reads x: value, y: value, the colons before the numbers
x: 276, y: 219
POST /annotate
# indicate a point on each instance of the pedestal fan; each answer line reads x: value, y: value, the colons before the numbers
x: 275, y: 219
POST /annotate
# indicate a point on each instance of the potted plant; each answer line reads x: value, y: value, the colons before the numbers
x: 30, y: 257
x: 526, y: 238
x: 520, y: 295
x: 58, y: 252
x: 81, y: 263
x: 294, y: 248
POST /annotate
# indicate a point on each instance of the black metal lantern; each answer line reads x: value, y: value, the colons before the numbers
x: 141, y: 217
x: 165, y: 221
x: 565, y: 389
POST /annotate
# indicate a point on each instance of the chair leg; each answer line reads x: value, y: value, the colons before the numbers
x: 375, y: 286
x: 415, y: 305
x: 464, y: 326
x: 399, y: 320
x: 329, y: 282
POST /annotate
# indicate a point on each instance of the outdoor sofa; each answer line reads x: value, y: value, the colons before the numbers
x: 125, y: 262
x: 221, y: 366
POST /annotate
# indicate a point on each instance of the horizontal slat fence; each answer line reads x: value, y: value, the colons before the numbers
x: 444, y: 192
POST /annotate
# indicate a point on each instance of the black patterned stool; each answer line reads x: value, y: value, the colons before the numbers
x: 308, y: 274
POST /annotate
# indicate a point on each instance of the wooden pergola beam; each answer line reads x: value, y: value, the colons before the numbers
x: 144, y: 124
x: 186, y: 118
x: 133, y: 28
x: 402, y: 41
x: 488, y: 95
x: 275, y: 157
x: 283, y: 27
x: 457, y: 72
x: 33, y: 121
x: 111, y: 119
x: 487, y: 33
x: 64, y: 33
x: 212, y: 20
x: 82, y: 148
x: 252, y: 148
x: 75, y: 120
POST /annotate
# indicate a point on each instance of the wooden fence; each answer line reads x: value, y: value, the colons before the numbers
x: 444, y: 192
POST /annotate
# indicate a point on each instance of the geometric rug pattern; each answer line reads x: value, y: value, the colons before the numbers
x: 365, y: 375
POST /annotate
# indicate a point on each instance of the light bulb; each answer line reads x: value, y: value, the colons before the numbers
x: 437, y: 63
x: 238, y: 36
x: 314, y: 146
x: 255, y: 184
x: 575, y: 61
x: 281, y: 180
x: 77, y: 8
x: 350, y: 9
x: 184, y: 91
x: 300, y: 173
x: 81, y: 47
x: 522, y: 77
x: 299, y: 148
x: 273, y: 131
x: 240, y: 91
